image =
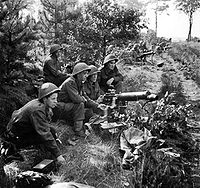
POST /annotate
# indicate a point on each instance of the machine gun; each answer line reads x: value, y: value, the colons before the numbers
x: 144, y: 54
x: 117, y: 103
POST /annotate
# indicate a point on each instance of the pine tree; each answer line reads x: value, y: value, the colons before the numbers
x: 16, y: 34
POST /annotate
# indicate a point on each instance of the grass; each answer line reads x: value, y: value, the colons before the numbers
x: 188, y: 56
x: 96, y: 160
x: 172, y: 84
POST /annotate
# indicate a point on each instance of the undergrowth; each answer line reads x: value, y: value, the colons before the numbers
x: 188, y: 56
x: 172, y: 84
x: 11, y: 98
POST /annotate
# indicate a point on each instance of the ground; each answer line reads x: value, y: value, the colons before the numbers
x: 96, y: 160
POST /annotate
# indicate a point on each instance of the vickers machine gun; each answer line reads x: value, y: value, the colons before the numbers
x: 117, y: 103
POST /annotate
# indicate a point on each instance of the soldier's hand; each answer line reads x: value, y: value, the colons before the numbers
x: 102, y: 106
x: 110, y: 81
x: 100, y: 99
x: 61, y: 159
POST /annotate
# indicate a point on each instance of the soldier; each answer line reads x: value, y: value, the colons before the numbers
x: 30, y: 125
x: 52, y: 68
x: 109, y: 76
x: 73, y: 100
x: 91, y: 86
x: 93, y: 91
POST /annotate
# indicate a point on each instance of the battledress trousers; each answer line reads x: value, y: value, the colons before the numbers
x: 30, y: 125
x: 72, y: 101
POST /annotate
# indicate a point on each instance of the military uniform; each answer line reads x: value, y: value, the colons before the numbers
x: 52, y: 72
x: 30, y: 125
x: 72, y: 100
x: 105, y: 74
x: 92, y: 90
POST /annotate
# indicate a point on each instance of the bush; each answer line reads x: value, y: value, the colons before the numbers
x: 11, y: 98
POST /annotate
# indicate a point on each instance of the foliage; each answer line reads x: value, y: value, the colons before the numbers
x: 11, y: 98
x: 88, y: 30
x: 188, y: 6
x: 188, y: 56
x: 151, y: 38
x: 170, y: 155
x: 110, y: 22
x: 172, y: 84
x: 16, y: 34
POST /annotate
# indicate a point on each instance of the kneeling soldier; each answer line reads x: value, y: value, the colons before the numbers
x: 73, y: 99
x: 30, y: 125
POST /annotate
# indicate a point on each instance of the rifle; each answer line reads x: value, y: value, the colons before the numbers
x: 117, y: 103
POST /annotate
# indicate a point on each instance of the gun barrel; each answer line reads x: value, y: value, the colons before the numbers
x: 133, y: 96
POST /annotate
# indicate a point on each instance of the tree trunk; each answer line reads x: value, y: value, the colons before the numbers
x: 156, y: 19
x: 190, y: 27
x: 104, y: 46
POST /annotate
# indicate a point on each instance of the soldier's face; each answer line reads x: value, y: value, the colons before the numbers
x: 93, y: 77
x: 111, y: 64
x: 82, y: 76
x: 51, y: 101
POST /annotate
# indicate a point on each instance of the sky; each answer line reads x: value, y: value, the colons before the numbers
x: 174, y: 23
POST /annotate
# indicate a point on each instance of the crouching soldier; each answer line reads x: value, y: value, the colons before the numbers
x: 93, y: 91
x: 73, y: 100
x: 91, y: 85
x: 52, y: 67
x: 110, y: 77
x: 30, y: 125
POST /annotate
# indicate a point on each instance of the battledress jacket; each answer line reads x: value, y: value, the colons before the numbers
x: 52, y: 71
x: 33, y: 119
x: 73, y: 92
x: 106, y: 74
x: 92, y: 90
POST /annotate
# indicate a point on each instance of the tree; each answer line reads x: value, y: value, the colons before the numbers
x: 109, y: 23
x: 160, y: 6
x: 189, y: 7
x: 87, y: 30
x: 16, y: 35
x: 55, y: 16
x: 131, y: 3
x: 59, y: 21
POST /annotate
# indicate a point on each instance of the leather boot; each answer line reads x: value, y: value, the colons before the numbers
x: 78, y: 128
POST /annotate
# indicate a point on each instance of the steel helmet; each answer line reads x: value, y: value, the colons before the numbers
x: 93, y: 70
x: 110, y: 57
x: 80, y: 67
x: 47, y: 89
x: 54, y: 48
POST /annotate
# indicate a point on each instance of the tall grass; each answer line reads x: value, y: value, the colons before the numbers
x: 94, y: 162
x: 188, y: 56
x: 172, y: 84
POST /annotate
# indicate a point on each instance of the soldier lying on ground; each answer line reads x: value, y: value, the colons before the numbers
x: 139, y: 52
x: 73, y: 100
x: 93, y: 91
x: 30, y: 125
x: 109, y: 76
x: 52, y: 67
